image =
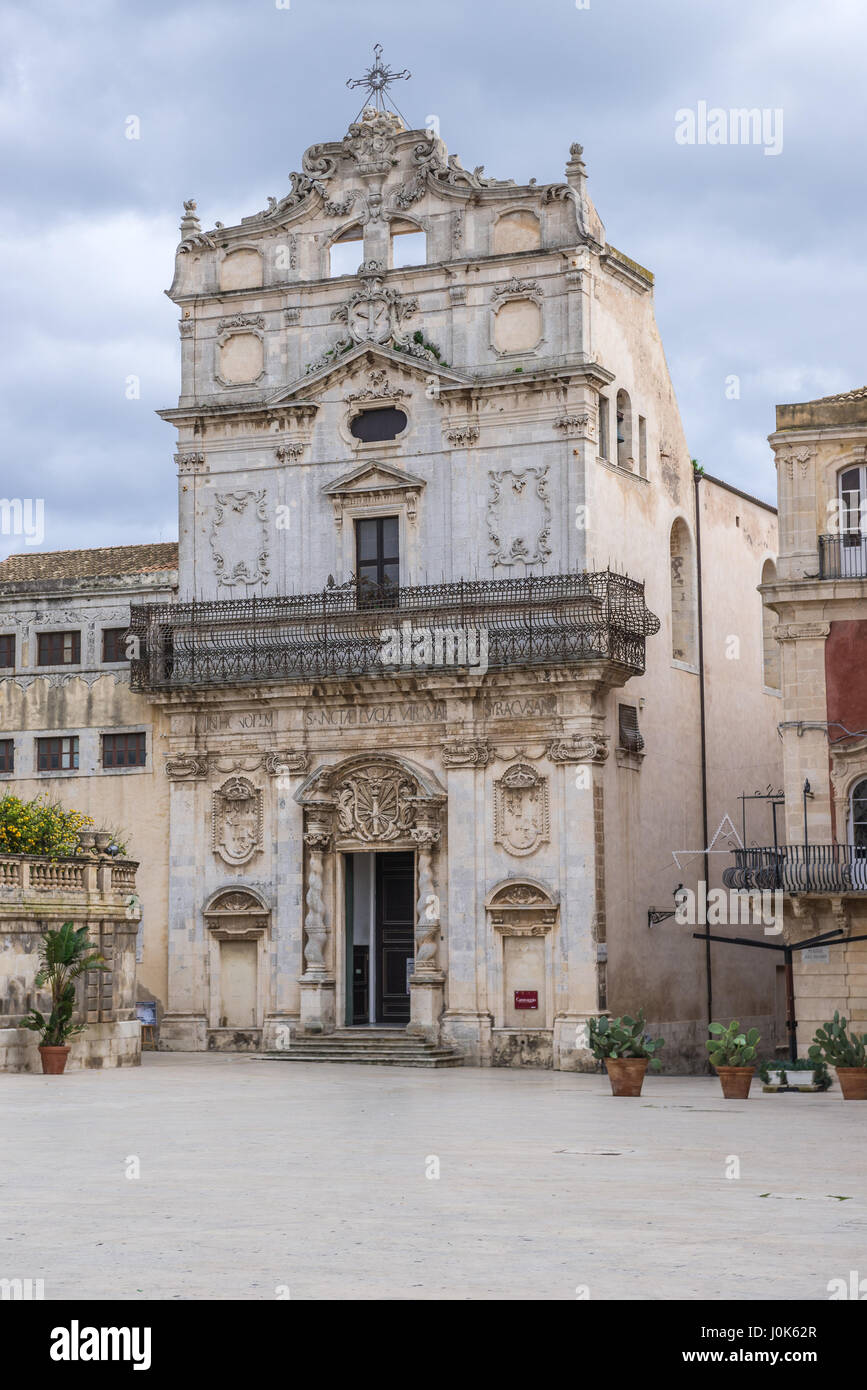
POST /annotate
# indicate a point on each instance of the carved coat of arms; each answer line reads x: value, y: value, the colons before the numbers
x: 521, y: 819
x: 375, y: 805
x: 237, y: 820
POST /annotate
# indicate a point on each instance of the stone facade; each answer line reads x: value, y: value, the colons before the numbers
x: 38, y: 895
x: 819, y: 598
x: 504, y: 409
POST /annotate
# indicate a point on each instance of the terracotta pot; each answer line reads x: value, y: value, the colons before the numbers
x: 53, y: 1060
x: 735, y: 1082
x: 626, y: 1074
x: 853, y: 1082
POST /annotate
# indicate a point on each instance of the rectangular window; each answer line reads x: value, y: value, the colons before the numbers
x: 377, y: 561
x: 58, y: 648
x: 124, y: 750
x: 7, y: 650
x: 630, y: 738
x: 642, y: 446
x: 114, y: 643
x: 56, y: 754
x: 603, y: 427
x: 7, y: 755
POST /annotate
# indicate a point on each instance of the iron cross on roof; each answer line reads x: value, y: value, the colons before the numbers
x: 378, y: 79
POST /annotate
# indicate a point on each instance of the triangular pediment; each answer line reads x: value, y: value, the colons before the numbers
x: 372, y: 477
x: 371, y: 357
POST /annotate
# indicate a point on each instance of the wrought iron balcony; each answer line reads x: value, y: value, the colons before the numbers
x: 800, y: 868
x: 843, y: 556
x: 545, y: 620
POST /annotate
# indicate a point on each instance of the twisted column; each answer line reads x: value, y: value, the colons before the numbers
x: 318, y: 842
x: 427, y: 926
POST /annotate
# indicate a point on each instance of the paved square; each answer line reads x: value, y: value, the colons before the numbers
x: 258, y: 1176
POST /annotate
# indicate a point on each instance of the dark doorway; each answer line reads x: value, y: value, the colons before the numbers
x: 394, y: 905
x: 380, y: 939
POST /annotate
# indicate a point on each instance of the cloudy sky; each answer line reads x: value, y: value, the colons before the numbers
x: 759, y: 259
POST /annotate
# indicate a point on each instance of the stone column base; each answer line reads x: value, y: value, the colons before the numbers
x: 570, y: 1030
x: 317, y: 1004
x: 426, y: 1005
x: 183, y: 1033
x: 471, y: 1032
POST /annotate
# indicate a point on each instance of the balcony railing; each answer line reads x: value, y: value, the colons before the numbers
x: 843, y: 556
x: 800, y: 868
x: 546, y: 620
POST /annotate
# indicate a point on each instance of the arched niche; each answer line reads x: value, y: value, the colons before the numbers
x: 518, y: 230
x: 241, y: 269
x: 238, y: 921
x: 684, y: 625
x: 771, y: 664
x: 522, y: 913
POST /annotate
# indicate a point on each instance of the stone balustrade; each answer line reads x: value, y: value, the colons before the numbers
x: 38, y: 895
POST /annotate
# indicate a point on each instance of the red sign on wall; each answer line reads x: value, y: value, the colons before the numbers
x: 526, y: 999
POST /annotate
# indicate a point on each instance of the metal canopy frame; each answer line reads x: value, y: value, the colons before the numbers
x: 788, y: 950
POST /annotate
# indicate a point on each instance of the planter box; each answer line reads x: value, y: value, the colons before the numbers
x: 797, y: 1080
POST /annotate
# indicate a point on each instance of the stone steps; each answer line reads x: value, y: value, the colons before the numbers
x: 385, y: 1047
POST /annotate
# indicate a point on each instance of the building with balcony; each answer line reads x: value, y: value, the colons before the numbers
x: 817, y: 613
x: 461, y: 644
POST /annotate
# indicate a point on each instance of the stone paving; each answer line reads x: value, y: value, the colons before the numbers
x: 259, y: 1178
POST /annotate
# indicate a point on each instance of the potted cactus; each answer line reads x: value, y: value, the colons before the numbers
x: 732, y: 1054
x: 64, y: 956
x: 845, y: 1051
x: 626, y: 1049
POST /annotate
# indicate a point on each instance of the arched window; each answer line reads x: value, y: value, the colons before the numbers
x: 684, y: 637
x: 408, y: 245
x: 858, y: 817
x: 346, y: 253
x: 852, y: 557
x: 858, y: 834
x: 770, y: 646
x: 624, y: 431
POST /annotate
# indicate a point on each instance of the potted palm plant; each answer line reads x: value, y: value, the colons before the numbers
x: 626, y: 1049
x: 732, y: 1054
x: 845, y: 1051
x: 64, y: 956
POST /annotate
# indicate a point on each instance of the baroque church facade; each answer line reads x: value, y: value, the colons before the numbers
x: 444, y: 677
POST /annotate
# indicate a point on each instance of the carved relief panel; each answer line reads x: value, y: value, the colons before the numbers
x: 236, y: 824
x: 519, y: 516
x: 239, y: 540
x: 521, y: 816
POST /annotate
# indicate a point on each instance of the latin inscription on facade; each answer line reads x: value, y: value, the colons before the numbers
x: 520, y: 708
x: 367, y: 716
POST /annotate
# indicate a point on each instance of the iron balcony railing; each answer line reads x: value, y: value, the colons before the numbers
x: 843, y: 556
x: 800, y: 868
x: 546, y: 620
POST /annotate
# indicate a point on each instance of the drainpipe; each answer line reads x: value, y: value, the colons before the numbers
x: 697, y: 477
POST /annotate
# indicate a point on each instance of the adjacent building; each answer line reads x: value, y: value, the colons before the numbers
x: 817, y: 614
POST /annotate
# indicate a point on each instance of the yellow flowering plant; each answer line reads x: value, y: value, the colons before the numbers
x: 40, y: 827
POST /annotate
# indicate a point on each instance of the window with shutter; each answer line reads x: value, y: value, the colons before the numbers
x: 630, y: 738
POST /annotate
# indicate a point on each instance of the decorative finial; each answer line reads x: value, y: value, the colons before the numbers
x: 378, y: 79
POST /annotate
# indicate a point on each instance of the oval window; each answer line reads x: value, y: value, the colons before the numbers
x: 373, y: 426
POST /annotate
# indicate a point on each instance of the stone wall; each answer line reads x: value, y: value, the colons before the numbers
x: 38, y: 895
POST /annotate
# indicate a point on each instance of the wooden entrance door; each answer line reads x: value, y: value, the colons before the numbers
x: 395, y: 941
